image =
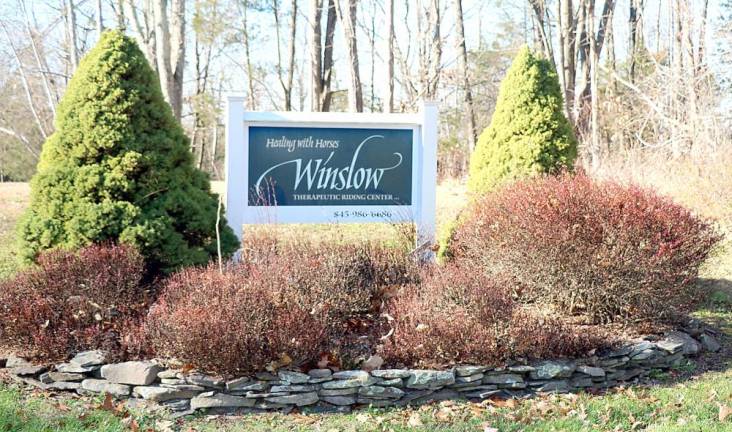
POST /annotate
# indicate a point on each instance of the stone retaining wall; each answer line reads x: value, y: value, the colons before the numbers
x: 325, y: 390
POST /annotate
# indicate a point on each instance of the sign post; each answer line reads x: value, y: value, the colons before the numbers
x: 296, y: 167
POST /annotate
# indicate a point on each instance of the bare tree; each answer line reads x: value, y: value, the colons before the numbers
x: 434, y: 21
x: 567, y: 52
x: 321, y: 55
x: 170, y: 50
x: 389, y: 97
x: 542, y: 35
x: 635, y: 38
x: 70, y: 10
x: 40, y: 62
x: 99, y: 18
x: 142, y: 23
x: 26, y: 84
x: 463, y: 66
x: 286, y: 82
x: 347, y: 16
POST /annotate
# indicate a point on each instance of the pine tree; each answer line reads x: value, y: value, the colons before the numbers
x: 528, y: 133
x: 118, y: 168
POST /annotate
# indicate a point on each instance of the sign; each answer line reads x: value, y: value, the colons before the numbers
x: 288, y: 167
x: 299, y: 166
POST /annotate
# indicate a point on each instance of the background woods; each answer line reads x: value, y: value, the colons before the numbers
x: 639, y: 77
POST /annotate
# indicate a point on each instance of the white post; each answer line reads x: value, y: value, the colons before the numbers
x: 425, y: 220
x: 235, y: 156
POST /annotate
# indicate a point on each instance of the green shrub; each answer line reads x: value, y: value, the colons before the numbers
x: 119, y: 168
x: 528, y: 133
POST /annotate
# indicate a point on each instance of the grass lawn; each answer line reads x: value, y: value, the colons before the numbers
x: 694, y: 398
x: 13, y: 200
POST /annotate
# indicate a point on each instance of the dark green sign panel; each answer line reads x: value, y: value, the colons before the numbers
x: 313, y: 166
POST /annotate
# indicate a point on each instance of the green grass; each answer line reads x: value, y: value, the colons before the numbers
x: 688, y: 406
x: 20, y: 412
x: 677, y: 404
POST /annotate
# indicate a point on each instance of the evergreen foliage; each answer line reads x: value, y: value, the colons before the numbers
x: 529, y: 133
x: 119, y: 168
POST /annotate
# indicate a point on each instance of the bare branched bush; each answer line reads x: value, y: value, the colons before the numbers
x: 75, y: 301
x: 459, y: 315
x: 284, y: 299
x: 610, y: 252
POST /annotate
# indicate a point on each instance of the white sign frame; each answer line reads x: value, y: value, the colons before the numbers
x: 424, y: 169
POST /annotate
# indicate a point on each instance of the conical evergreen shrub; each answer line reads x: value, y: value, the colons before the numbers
x: 118, y: 168
x: 528, y: 133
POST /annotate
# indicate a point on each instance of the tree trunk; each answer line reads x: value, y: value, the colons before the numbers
x: 567, y: 54
x: 635, y: 36
x: 316, y: 67
x: 178, y: 46
x: 372, y: 42
x: 321, y: 56
x: 539, y: 9
x: 434, y: 66
x: 143, y: 32
x: 285, y: 82
x: 26, y: 84
x: 71, y: 34
x: 463, y: 66
x: 40, y: 63
x: 582, y: 70
x: 162, y: 47
x: 248, y: 59
x: 594, y: 105
x: 100, y: 19
x: 170, y: 50
x: 327, y: 62
x: 389, y: 98
x: 291, y: 56
x: 347, y: 16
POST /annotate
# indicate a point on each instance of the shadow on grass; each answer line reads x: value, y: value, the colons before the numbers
x: 716, y: 313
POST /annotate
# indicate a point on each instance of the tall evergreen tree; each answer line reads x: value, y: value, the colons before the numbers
x: 118, y: 168
x: 529, y: 132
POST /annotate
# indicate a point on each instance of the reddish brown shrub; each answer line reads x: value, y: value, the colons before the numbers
x: 73, y: 301
x: 611, y: 252
x: 234, y: 322
x: 340, y: 280
x: 293, y: 299
x: 458, y: 315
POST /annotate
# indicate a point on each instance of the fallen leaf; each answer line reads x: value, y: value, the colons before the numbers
x: 274, y: 365
x: 444, y: 414
x: 543, y: 406
x: 724, y: 412
x: 362, y: 418
x: 62, y: 407
x: 165, y: 426
x: 108, y: 404
x: 323, y: 362
x: 488, y: 428
x: 414, y: 420
x: 373, y: 362
x: 131, y: 423
x: 503, y: 403
x: 302, y: 419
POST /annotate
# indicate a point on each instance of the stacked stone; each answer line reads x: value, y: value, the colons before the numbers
x: 327, y: 390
